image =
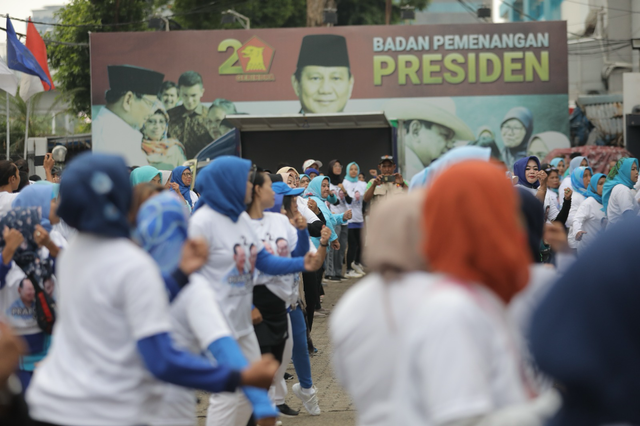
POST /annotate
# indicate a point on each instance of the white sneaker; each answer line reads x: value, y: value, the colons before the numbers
x: 357, y: 268
x: 309, y: 398
x: 353, y: 274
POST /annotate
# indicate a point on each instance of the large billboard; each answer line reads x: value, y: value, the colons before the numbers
x: 499, y: 85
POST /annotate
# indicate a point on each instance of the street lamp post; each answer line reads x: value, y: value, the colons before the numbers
x: 230, y: 16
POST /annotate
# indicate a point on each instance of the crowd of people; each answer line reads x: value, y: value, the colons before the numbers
x: 482, y: 299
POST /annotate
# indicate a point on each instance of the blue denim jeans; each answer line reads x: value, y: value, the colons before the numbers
x: 300, y: 356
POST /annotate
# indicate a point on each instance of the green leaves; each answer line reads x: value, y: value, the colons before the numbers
x: 71, y: 62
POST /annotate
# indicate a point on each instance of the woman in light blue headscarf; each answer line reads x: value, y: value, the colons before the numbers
x: 617, y: 195
x: 559, y: 164
x: 145, y: 174
x: 590, y: 219
x: 355, y: 189
x: 580, y: 179
x: 566, y: 181
x: 318, y: 190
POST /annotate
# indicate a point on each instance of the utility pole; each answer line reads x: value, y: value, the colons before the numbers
x: 387, y: 13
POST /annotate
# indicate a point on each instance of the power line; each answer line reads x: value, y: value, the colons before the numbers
x: 47, y: 41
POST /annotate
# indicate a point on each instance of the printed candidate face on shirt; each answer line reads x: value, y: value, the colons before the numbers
x: 283, y: 247
x: 239, y: 258
x: 23, y: 307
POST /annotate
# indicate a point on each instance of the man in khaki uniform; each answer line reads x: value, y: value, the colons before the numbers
x: 387, y: 183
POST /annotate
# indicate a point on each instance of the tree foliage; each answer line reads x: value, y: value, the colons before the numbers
x: 71, y: 62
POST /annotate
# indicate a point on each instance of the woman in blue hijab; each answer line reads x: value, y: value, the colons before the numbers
x: 580, y: 179
x: 318, y: 190
x: 586, y: 333
x: 182, y: 177
x: 575, y: 163
x: 617, y: 196
x: 111, y: 284
x: 559, y: 164
x: 527, y: 170
x: 236, y: 254
x: 162, y: 232
x: 145, y: 174
x: 590, y: 220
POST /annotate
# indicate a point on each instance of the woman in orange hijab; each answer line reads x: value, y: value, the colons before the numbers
x: 461, y: 363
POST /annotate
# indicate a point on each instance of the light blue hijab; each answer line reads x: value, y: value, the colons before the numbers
x: 592, y: 189
x: 315, y: 188
x: 347, y: 176
x: 38, y: 196
x: 556, y: 161
x: 622, y: 177
x: 456, y: 155
x: 577, y: 181
x: 144, y: 174
x: 162, y: 229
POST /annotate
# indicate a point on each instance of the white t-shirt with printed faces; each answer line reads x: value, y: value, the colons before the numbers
x: 366, y: 329
x: 197, y: 321
x: 461, y: 358
x: 280, y: 238
x: 113, y: 296
x: 230, y: 269
x: 342, y: 206
x: 622, y: 199
x: 356, y: 191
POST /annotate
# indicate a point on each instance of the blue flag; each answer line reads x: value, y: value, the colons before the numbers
x: 19, y: 58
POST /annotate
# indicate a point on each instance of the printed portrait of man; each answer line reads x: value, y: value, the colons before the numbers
x: 216, y: 114
x: 323, y: 81
x: 239, y: 258
x: 283, y: 247
x: 131, y: 98
x: 168, y: 95
x: 188, y: 123
x: 23, y: 307
x: 431, y: 128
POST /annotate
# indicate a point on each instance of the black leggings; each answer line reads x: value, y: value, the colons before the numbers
x: 276, y: 350
x: 311, y: 281
x: 355, y: 247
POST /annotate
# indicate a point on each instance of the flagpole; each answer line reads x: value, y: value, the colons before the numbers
x: 8, y: 128
x: 26, y: 129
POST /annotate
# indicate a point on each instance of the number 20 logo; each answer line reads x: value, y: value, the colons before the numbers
x: 253, y: 57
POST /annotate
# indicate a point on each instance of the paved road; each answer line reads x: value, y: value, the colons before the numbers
x: 336, y: 406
